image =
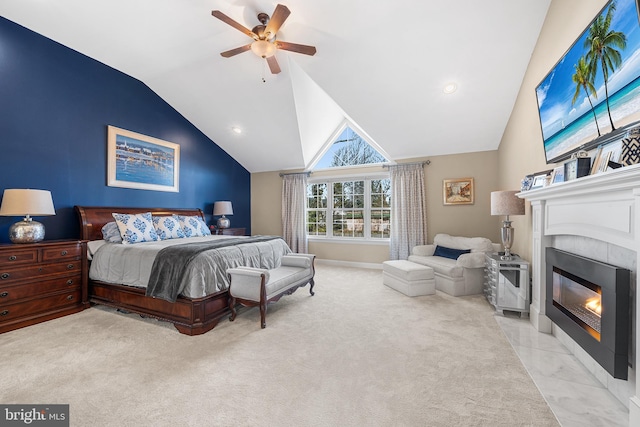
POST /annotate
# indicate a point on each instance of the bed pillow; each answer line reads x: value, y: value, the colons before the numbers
x: 136, y: 228
x: 193, y: 226
x: 167, y: 227
x: 449, y: 252
x: 111, y: 232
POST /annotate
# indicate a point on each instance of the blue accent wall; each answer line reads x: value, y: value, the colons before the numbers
x: 55, y: 105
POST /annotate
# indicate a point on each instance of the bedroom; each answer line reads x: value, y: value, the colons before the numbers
x: 57, y: 103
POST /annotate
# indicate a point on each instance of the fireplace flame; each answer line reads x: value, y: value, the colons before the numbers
x: 593, y: 305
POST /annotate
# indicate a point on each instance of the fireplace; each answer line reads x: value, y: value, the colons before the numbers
x: 589, y: 300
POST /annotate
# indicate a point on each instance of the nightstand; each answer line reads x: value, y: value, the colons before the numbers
x: 42, y: 281
x: 506, y: 283
x: 231, y: 231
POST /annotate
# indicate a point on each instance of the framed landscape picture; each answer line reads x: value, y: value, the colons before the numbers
x: 458, y: 191
x: 143, y: 162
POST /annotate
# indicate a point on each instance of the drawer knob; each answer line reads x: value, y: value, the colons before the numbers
x: 69, y: 267
x: 70, y: 281
x: 5, y: 276
x: 4, y: 313
x: 70, y: 297
x: 4, y: 294
x: 13, y: 258
x: 63, y: 253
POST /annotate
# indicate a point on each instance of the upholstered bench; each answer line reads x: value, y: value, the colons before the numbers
x: 258, y: 286
x: 408, y: 277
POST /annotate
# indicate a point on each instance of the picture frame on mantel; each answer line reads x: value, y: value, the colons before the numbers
x: 458, y: 191
x: 142, y: 162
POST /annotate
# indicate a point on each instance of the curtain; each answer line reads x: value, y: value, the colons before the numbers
x: 408, y: 209
x: 294, y: 193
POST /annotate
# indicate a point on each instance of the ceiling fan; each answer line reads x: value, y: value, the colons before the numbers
x: 264, y: 36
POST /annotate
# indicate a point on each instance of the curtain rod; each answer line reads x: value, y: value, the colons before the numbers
x: 426, y: 162
x: 295, y: 173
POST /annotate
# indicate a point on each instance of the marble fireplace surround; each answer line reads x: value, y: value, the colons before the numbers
x: 598, y: 217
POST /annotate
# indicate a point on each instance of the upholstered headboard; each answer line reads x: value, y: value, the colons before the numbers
x: 93, y: 218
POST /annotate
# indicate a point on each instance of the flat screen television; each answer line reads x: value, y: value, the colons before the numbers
x: 575, y: 111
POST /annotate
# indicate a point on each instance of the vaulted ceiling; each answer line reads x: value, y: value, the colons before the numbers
x: 379, y: 65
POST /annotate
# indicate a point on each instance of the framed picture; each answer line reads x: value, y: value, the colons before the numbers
x: 557, y: 175
x: 139, y: 161
x: 541, y: 179
x: 458, y: 191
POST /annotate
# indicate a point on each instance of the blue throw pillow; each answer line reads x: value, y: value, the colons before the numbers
x: 449, y: 252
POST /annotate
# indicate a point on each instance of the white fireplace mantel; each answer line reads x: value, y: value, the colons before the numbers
x: 604, y: 207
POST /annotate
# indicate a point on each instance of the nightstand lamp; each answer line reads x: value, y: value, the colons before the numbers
x: 19, y: 202
x: 223, y: 208
x: 506, y: 203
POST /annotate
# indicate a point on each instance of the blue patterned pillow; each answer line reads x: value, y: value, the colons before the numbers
x: 167, y: 227
x: 193, y: 226
x: 136, y: 228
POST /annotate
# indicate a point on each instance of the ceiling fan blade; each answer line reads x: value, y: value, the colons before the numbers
x: 273, y: 64
x: 233, y: 52
x: 281, y: 13
x: 298, y: 48
x: 224, y: 18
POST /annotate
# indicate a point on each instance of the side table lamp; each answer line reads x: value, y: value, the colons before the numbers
x: 506, y: 203
x: 26, y: 202
x: 223, y: 208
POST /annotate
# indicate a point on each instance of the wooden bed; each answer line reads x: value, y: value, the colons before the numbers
x: 190, y: 316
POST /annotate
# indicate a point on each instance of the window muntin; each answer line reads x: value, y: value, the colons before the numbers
x: 356, y: 208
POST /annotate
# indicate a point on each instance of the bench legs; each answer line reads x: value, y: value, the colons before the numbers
x: 232, y: 306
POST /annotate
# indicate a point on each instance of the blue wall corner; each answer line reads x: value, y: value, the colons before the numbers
x: 55, y: 106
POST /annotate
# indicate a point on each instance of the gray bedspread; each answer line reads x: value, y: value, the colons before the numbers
x: 171, y: 264
x: 131, y: 264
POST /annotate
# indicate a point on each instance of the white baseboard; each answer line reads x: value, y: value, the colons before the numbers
x: 337, y: 263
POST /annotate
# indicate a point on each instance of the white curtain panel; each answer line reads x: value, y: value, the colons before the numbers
x: 408, y: 209
x: 294, y: 193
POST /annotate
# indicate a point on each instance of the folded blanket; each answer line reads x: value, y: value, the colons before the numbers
x: 171, y: 263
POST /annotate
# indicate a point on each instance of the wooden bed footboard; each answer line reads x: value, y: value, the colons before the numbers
x: 190, y: 316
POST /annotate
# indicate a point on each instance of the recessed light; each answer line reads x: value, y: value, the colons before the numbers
x: 450, y: 88
x: 236, y: 129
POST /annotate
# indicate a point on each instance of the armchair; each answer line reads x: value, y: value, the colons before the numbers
x: 457, y: 262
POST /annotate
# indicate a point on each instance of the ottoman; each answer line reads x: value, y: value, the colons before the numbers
x: 408, y: 277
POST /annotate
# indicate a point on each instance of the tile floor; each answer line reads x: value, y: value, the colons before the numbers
x: 575, y: 396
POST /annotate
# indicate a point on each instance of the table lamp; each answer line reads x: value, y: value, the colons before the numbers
x: 223, y: 208
x: 506, y: 203
x: 19, y: 202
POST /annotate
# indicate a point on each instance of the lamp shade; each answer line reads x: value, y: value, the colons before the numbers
x: 222, y: 208
x: 21, y: 202
x: 263, y: 48
x: 506, y: 203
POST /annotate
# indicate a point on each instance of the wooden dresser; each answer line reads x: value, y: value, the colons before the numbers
x: 42, y: 281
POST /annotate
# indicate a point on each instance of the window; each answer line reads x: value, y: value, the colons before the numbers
x: 349, y: 149
x: 358, y: 208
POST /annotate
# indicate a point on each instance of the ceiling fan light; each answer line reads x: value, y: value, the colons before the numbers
x: 263, y: 48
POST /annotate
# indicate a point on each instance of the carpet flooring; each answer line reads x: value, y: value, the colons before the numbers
x: 356, y: 354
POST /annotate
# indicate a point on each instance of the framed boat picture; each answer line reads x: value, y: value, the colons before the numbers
x: 139, y: 161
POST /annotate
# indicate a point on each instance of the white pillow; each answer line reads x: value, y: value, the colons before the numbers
x: 111, y: 232
x: 136, y: 228
x: 193, y: 226
x: 167, y: 227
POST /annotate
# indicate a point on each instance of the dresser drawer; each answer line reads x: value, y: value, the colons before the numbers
x: 11, y: 275
x: 61, y: 253
x: 9, y: 294
x: 13, y: 257
x: 35, y: 306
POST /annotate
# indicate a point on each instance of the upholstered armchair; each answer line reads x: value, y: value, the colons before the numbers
x: 457, y: 262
